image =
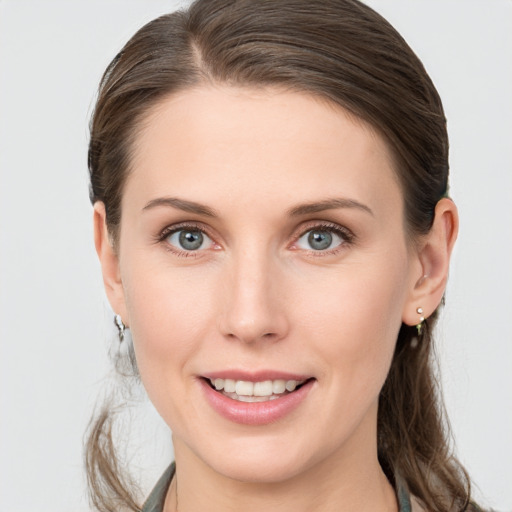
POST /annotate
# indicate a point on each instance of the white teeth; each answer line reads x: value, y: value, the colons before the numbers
x: 244, y: 387
x: 242, y: 398
x: 266, y: 388
x: 229, y: 386
x: 263, y: 388
x: 291, y: 385
x: 278, y: 386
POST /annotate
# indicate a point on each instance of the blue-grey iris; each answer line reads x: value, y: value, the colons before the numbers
x: 191, y: 240
x: 319, y: 240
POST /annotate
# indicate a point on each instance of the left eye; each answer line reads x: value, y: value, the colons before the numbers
x: 319, y: 240
x: 189, y: 240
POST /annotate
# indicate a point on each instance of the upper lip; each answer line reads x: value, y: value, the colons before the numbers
x: 255, y: 376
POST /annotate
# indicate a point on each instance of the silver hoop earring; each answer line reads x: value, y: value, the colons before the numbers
x: 118, y: 321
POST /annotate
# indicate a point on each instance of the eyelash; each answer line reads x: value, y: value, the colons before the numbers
x: 170, y: 230
x: 344, y: 233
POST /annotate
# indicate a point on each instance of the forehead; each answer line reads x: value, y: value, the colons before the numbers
x: 244, y: 142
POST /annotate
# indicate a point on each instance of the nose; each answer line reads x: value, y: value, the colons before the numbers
x: 253, y: 302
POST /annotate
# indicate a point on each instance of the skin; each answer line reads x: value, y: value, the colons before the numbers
x: 257, y: 296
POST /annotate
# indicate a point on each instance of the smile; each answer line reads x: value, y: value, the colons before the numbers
x: 256, y: 399
x: 261, y: 391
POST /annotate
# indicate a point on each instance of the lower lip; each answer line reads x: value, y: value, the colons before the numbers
x: 255, y: 413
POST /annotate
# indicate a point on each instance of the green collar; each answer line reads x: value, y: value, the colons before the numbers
x: 156, y: 500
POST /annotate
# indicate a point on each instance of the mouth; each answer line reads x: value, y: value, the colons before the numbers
x: 256, y: 399
x: 259, y: 391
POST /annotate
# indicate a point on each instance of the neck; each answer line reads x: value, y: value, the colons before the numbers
x: 336, y: 484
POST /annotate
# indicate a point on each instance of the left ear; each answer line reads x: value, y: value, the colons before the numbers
x: 433, y: 252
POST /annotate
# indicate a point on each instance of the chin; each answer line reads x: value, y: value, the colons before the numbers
x: 262, y: 462
x: 259, y: 471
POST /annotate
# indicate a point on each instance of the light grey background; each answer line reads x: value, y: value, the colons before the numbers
x: 55, y: 324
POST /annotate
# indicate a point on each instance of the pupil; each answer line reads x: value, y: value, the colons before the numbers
x: 319, y: 240
x: 191, y: 240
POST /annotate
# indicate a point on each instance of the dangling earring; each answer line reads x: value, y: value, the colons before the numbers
x: 118, y: 321
x: 419, y: 328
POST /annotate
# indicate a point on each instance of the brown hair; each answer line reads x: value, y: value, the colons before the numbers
x: 342, y: 51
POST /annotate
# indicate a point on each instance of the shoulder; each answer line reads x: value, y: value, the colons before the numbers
x: 416, y: 506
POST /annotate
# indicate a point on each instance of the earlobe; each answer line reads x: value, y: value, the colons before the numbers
x: 109, y: 262
x: 434, y: 254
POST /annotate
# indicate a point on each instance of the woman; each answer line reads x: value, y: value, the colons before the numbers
x: 269, y: 182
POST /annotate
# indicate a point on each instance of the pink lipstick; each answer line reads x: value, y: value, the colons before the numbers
x: 255, y: 398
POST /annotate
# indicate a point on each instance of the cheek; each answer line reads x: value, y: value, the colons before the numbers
x: 354, y: 316
x: 168, y: 313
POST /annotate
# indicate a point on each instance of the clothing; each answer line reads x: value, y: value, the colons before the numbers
x: 156, y: 500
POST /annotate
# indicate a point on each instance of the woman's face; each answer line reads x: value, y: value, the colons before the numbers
x: 262, y: 241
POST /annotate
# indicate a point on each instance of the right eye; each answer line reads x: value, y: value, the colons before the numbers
x: 189, y: 240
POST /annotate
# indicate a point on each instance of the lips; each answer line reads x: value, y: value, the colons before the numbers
x: 255, y: 399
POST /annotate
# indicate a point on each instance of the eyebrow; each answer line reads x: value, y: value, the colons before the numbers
x: 328, y: 204
x: 296, y: 211
x: 181, y: 204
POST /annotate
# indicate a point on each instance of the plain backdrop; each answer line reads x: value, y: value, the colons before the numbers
x: 55, y: 324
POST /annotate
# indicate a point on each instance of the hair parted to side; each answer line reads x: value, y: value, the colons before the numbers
x: 344, y: 52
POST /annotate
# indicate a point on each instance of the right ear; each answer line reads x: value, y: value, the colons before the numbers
x: 109, y: 261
